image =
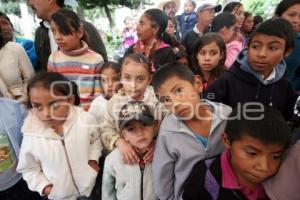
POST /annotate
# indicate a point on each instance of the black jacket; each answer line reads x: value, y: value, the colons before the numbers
x: 43, y: 49
x: 205, y: 181
x: 238, y: 86
x: 160, y: 57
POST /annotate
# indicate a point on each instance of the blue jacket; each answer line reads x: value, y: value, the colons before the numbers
x: 30, y: 50
x: 12, y: 114
x: 187, y: 21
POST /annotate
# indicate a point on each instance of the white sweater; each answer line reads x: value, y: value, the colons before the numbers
x: 47, y: 158
x: 15, y: 69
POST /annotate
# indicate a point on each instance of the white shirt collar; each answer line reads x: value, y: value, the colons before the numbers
x: 270, y: 77
x: 195, y: 29
x: 53, y: 45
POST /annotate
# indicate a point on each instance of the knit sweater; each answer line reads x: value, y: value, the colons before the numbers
x: 82, y: 66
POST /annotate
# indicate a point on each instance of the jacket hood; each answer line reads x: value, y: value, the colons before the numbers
x: 34, y: 127
x: 242, y: 59
x: 220, y: 113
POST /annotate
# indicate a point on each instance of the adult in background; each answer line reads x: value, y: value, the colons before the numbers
x: 290, y: 11
x: 15, y: 69
x: 206, y: 14
x: 171, y: 7
x: 153, y: 41
x: 8, y: 35
x: 12, y: 186
x: 44, y: 40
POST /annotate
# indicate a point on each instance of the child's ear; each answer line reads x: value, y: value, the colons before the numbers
x: 226, y: 141
x: 80, y: 32
x: 288, y: 52
x: 198, y: 84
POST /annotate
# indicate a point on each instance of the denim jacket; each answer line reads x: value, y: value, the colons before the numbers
x: 12, y: 114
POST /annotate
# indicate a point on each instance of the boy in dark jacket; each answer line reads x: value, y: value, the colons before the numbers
x: 258, y: 73
x: 256, y: 138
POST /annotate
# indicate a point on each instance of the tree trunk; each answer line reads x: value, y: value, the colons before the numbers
x: 110, y: 19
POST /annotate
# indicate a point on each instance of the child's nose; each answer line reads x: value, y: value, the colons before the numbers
x: 262, y: 52
x: 263, y: 164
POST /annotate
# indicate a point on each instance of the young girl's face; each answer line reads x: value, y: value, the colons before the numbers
x: 253, y: 161
x: 110, y: 81
x: 67, y: 42
x: 170, y: 28
x: 209, y: 56
x: 135, y: 79
x: 248, y: 24
x: 238, y: 12
x: 139, y: 134
x: 292, y: 14
x: 50, y: 108
x: 227, y: 33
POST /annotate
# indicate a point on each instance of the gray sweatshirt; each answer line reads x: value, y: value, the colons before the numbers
x: 177, y: 150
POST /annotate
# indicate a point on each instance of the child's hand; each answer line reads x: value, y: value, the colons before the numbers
x: 127, y: 151
x: 93, y: 164
x: 47, y: 190
x: 149, y: 155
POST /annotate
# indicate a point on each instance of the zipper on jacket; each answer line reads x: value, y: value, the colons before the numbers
x: 69, y: 164
x: 142, y: 168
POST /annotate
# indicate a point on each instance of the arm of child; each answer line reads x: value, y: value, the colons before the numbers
x: 163, y: 169
x: 233, y: 49
x: 95, y: 143
x: 30, y: 168
x: 109, y: 180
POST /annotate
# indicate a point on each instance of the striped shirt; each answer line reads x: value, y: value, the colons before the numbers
x: 83, y: 66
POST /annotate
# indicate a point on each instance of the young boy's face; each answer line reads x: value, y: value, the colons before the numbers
x: 265, y: 52
x: 253, y: 161
x: 188, y: 7
x: 181, y: 97
x: 139, y: 134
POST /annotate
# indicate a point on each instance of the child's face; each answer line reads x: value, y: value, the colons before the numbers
x: 188, y: 7
x: 253, y: 161
x: 238, y: 12
x: 145, y: 30
x: 139, y: 134
x: 292, y: 14
x: 248, y: 24
x: 209, y: 56
x: 181, y: 97
x: 67, y: 42
x: 170, y: 28
x: 50, y: 108
x: 135, y: 79
x: 265, y: 52
x: 110, y: 81
x: 227, y: 33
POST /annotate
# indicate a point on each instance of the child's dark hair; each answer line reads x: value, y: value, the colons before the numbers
x: 222, y: 20
x: 138, y: 58
x: 113, y: 65
x: 247, y: 14
x: 6, y: 17
x: 257, y: 19
x: 203, y: 41
x: 276, y: 27
x: 159, y: 19
x: 231, y: 6
x: 56, y: 82
x: 284, y: 5
x: 67, y: 22
x: 170, y: 70
x: 266, y: 125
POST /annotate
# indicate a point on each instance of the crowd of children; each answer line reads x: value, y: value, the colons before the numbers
x: 204, y: 118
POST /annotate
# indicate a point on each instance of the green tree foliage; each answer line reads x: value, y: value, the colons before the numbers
x: 10, y: 7
x: 264, y: 8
